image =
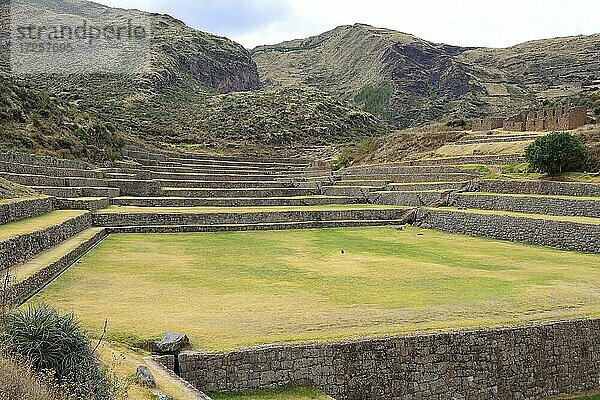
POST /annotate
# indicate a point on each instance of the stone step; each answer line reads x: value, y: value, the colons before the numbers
x: 17, y: 209
x: 54, y: 181
x: 72, y: 192
x: 34, y: 275
x: 23, y: 240
x: 231, y: 201
x: 82, y: 203
x: 238, y: 192
x: 132, y: 216
x: 222, y: 184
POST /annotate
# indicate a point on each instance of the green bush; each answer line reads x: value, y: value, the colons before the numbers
x: 556, y: 153
x: 51, y: 342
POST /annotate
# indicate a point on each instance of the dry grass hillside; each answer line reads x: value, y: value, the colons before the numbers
x: 203, y: 89
x: 411, y: 81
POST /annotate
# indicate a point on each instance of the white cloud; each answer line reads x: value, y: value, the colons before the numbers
x: 458, y: 22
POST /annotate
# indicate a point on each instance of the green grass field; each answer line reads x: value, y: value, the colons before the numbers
x: 232, y: 289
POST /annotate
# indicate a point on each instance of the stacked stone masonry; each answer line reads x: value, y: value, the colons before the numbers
x: 22, y: 209
x: 23, y: 247
x: 24, y: 290
x: 524, y: 363
x: 546, y: 232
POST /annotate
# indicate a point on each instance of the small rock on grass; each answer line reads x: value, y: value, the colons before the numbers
x: 145, y: 377
x: 160, y: 395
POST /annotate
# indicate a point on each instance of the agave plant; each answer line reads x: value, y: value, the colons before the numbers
x: 51, y: 342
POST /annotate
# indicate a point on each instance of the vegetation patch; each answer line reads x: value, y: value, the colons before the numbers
x: 232, y: 289
x: 282, y: 394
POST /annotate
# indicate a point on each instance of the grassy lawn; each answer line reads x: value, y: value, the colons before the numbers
x: 232, y: 289
x: 286, y: 394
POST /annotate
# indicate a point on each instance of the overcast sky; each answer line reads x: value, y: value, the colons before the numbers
x: 498, y: 23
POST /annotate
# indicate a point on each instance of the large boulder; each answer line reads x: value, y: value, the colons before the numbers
x: 145, y: 377
x: 171, y: 343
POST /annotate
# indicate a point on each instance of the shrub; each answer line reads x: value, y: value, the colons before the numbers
x: 51, y: 342
x: 556, y: 153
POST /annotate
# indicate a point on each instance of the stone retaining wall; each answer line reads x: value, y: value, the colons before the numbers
x: 23, y: 209
x: 231, y: 202
x: 220, y: 184
x: 240, y: 192
x: 90, y: 204
x: 524, y: 363
x: 414, y: 177
x: 400, y: 169
x: 136, y: 187
x: 539, y: 187
x: 54, y: 181
x: 250, y: 227
x: 408, y: 199
x: 529, y: 205
x: 577, y: 207
x: 73, y: 192
x: 558, y: 234
x: 50, y: 171
x: 43, y: 161
x: 20, y: 292
x: 157, y: 218
x: 20, y: 248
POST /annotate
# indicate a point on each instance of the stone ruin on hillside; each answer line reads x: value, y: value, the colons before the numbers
x: 561, y: 118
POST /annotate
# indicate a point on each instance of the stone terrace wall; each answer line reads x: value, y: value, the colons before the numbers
x: 23, y: 209
x: 518, y: 363
x: 539, y: 187
x: 559, y: 234
x: 20, y: 248
x: 149, y: 219
x: 529, y: 205
x: 23, y: 158
x: 22, y: 291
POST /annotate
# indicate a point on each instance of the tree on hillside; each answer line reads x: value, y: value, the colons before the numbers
x: 556, y: 153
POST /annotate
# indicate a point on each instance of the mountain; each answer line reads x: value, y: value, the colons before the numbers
x: 410, y: 81
x: 198, y: 88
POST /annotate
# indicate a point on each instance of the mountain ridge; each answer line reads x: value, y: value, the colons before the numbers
x: 431, y: 81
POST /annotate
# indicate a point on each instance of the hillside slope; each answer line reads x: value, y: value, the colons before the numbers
x: 202, y: 89
x: 411, y: 81
x: 35, y: 122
